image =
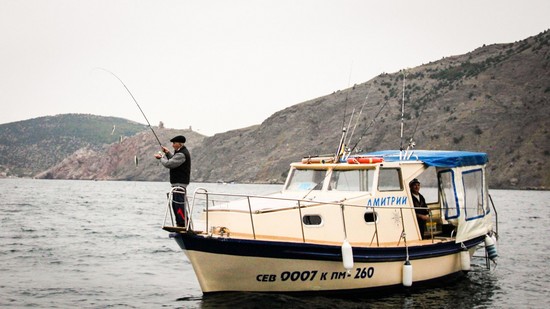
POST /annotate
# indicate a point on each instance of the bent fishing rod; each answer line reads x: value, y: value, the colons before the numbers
x: 135, y: 101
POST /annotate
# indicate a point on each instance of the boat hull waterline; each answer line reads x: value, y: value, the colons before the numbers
x: 224, y: 265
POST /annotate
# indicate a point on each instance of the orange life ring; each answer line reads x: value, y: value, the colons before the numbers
x: 364, y: 160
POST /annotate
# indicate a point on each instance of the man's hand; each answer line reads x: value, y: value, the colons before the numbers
x: 423, y: 217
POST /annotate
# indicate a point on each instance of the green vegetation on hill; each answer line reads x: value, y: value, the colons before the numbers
x: 95, y: 130
x: 45, y: 141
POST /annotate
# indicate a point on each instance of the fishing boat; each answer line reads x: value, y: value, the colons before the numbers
x: 343, y: 223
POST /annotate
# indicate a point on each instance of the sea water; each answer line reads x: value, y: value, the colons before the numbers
x: 99, y: 244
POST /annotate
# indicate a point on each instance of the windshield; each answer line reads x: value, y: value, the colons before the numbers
x: 306, y: 180
x: 351, y: 180
x: 340, y: 180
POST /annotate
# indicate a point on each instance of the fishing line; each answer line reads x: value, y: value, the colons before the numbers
x: 135, y: 101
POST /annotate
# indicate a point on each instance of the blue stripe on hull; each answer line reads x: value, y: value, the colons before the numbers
x: 304, y: 251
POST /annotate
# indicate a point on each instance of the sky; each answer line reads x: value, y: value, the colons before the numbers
x: 216, y: 66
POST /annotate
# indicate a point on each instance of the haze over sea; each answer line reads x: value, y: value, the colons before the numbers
x: 91, y: 244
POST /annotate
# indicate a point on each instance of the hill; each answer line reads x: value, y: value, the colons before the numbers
x: 494, y: 99
x: 129, y: 159
x: 43, y: 142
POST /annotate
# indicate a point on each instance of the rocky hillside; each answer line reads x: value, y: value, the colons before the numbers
x: 132, y: 158
x: 31, y: 146
x: 495, y: 99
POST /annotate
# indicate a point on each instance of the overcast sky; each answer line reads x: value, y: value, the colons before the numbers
x: 223, y: 65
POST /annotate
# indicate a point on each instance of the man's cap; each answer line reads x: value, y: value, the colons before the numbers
x: 178, y: 139
x: 413, y: 182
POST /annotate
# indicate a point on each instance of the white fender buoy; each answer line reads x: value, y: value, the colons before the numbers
x: 347, y: 255
x: 465, y: 260
x: 490, y: 248
x: 407, y: 274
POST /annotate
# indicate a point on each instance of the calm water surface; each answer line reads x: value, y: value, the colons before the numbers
x: 91, y: 244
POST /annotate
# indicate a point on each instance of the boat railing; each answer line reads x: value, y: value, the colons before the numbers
x: 202, y: 201
x: 496, y: 215
x: 170, y: 215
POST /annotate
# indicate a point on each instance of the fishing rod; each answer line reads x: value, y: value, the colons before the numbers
x: 368, y: 127
x: 343, y: 138
x: 135, y: 101
x: 412, y: 144
x: 349, y: 90
x: 360, y: 113
x: 402, y: 114
x: 341, y: 146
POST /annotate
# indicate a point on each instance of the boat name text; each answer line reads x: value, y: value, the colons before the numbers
x: 387, y: 201
x: 311, y: 275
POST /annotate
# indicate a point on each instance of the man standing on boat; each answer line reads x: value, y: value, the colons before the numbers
x: 179, y: 164
x: 420, y: 206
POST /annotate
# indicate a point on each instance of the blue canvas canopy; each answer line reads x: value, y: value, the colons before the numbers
x: 437, y: 158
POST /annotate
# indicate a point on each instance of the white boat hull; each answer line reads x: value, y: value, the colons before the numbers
x: 232, y: 273
x: 219, y: 272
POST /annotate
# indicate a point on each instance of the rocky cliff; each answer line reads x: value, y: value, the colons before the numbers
x: 132, y: 158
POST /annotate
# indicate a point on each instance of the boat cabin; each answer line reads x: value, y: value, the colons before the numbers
x: 365, y: 199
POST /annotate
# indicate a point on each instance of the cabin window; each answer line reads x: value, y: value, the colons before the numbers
x: 429, y: 190
x: 312, y: 220
x: 370, y: 216
x: 448, y: 194
x: 389, y: 179
x: 351, y: 180
x: 473, y: 194
x: 306, y: 180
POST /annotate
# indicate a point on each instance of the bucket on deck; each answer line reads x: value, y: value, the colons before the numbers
x: 431, y: 226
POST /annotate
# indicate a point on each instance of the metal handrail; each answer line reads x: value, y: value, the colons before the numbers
x: 299, y: 206
x: 311, y: 202
x: 169, y: 209
x: 301, y: 222
x: 496, y: 215
x: 251, y: 218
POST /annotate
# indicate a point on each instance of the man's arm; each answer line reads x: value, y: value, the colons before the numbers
x: 172, y: 161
